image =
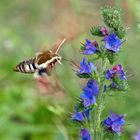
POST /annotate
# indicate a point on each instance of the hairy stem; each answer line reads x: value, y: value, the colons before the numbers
x: 100, y: 102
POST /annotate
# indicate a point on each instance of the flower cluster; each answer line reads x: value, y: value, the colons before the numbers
x: 85, y: 68
x: 110, y: 74
x: 89, y: 93
x: 117, y: 77
x: 112, y: 43
x: 114, y: 122
x: 98, y: 80
x: 89, y: 47
x: 87, y: 96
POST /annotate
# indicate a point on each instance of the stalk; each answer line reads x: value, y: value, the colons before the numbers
x: 100, y: 103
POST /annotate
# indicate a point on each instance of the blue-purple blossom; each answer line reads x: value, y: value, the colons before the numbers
x: 110, y: 73
x: 112, y: 42
x: 84, y: 134
x: 88, y: 99
x: 114, y: 122
x: 89, y: 93
x: 80, y: 116
x: 137, y: 136
x: 88, y: 48
x: 85, y: 68
x: 91, y: 87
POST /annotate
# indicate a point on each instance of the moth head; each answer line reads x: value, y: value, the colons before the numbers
x: 58, y: 59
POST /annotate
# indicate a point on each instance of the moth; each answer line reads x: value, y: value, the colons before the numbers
x: 42, y: 63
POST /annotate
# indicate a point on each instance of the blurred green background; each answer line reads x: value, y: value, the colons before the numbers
x: 32, y: 110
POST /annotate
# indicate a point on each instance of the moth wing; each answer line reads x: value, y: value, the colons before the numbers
x: 42, y: 57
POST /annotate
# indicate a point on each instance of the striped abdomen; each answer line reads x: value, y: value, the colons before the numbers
x: 27, y: 66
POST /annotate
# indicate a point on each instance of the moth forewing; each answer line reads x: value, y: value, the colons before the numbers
x: 42, y: 57
x: 51, y: 61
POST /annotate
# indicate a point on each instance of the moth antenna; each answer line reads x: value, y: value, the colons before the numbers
x: 59, y: 46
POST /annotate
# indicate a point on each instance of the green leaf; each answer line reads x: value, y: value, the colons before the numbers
x: 111, y: 57
x: 95, y: 30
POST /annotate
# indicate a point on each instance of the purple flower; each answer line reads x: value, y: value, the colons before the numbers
x: 88, y: 48
x: 114, y: 122
x: 88, y: 99
x: 103, y: 31
x: 115, y: 70
x: 91, y: 87
x: 80, y: 116
x: 84, y: 134
x: 85, y: 68
x: 89, y: 93
x: 137, y: 136
x: 112, y: 42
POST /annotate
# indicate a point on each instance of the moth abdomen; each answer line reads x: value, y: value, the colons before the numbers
x: 27, y: 66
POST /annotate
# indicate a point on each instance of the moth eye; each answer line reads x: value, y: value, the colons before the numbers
x: 58, y: 58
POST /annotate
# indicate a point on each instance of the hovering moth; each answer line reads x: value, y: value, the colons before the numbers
x: 42, y: 63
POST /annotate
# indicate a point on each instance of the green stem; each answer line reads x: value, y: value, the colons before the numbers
x: 100, y: 102
x: 97, y: 122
